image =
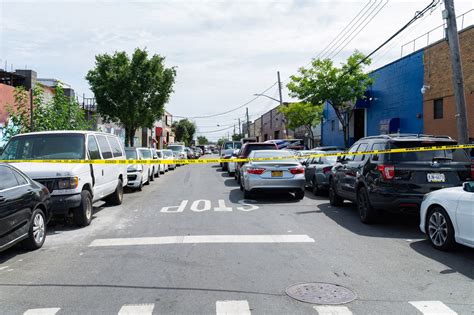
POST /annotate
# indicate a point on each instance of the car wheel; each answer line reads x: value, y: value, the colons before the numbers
x: 152, y: 175
x: 299, y: 194
x: 147, y: 182
x: 83, y: 213
x: 239, y: 180
x: 439, y: 229
x: 314, y: 187
x: 36, y: 232
x: 334, y: 198
x: 140, y: 186
x: 367, y: 213
x: 117, y: 197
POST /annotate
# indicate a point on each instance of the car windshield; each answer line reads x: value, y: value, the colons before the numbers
x: 286, y: 156
x: 176, y: 148
x: 45, y: 146
x: 232, y: 145
x: 458, y: 155
x: 131, y: 154
x: 167, y: 153
x: 145, y: 153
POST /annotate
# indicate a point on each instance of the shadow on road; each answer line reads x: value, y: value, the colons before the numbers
x: 262, y: 198
x: 460, y: 259
x: 391, y: 225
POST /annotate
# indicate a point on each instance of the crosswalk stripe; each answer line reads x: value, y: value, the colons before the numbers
x: 232, y: 308
x: 42, y: 311
x: 332, y: 310
x: 432, y: 308
x: 136, y: 309
x: 202, y: 239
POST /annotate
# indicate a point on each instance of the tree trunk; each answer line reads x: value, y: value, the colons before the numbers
x: 346, y: 135
x: 129, y: 136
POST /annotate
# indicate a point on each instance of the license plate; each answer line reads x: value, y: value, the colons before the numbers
x: 277, y: 173
x: 436, y: 178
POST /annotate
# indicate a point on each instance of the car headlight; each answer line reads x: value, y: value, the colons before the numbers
x: 134, y: 168
x: 68, y: 183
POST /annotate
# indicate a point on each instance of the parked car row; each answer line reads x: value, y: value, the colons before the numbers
x: 414, y: 181
x: 31, y: 193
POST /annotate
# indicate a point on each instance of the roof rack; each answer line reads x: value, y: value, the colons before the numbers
x: 401, y: 135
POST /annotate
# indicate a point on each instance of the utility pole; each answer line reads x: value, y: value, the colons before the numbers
x: 240, y: 131
x: 248, y: 122
x: 32, y: 126
x: 234, y: 129
x: 281, y: 103
x: 458, y: 81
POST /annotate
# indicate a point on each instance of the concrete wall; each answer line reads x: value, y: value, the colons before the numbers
x: 438, y: 75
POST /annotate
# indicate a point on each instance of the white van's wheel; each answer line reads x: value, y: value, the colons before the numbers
x: 117, y: 197
x: 83, y: 213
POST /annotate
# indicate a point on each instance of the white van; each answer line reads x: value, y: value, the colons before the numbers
x: 73, y: 187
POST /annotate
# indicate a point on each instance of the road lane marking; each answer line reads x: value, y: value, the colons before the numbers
x: 232, y: 308
x: 432, y: 307
x: 137, y: 309
x: 42, y: 311
x: 4, y: 267
x: 195, y: 206
x: 222, y: 206
x: 201, y: 239
x: 332, y: 310
x: 179, y: 208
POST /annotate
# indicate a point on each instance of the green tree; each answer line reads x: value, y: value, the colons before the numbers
x: 132, y: 90
x: 340, y: 86
x: 221, y: 141
x: 202, y: 140
x: 304, y: 115
x: 60, y: 113
x: 237, y: 137
x: 184, y: 131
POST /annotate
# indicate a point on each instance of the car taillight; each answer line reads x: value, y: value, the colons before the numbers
x: 255, y: 171
x: 296, y: 170
x: 388, y: 171
x: 327, y: 169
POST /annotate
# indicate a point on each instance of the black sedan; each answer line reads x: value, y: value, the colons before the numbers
x: 24, y: 209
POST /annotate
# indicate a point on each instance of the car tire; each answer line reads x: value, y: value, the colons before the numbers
x: 83, y: 213
x: 299, y: 194
x: 334, y: 199
x: 140, y: 187
x: 367, y: 213
x: 117, y: 197
x: 147, y: 182
x: 239, y: 180
x: 152, y: 175
x: 314, y: 187
x: 438, y: 221
x: 36, y: 232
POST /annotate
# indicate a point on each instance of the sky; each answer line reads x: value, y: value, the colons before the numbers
x: 224, y: 51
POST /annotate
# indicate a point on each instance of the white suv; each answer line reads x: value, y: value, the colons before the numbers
x: 73, y: 187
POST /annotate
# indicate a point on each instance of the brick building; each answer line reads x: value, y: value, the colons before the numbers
x: 438, y: 101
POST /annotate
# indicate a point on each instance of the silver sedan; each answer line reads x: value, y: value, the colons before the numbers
x: 283, y: 174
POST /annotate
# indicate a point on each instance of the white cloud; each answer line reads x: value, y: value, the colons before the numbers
x: 225, y: 51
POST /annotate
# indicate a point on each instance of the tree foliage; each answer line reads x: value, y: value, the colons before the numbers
x: 202, y: 140
x: 184, y: 131
x: 302, y: 115
x: 221, y: 141
x: 60, y: 113
x: 132, y: 90
x: 237, y: 137
x: 340, y: 86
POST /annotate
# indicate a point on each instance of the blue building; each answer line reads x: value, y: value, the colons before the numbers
x: 394, y: 104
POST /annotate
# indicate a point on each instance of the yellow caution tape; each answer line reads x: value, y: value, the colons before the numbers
x: 220, y: 160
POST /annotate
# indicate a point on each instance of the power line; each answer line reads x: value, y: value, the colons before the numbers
x: 334, y: 43
x: 361, y: 29
x: 213, y: 131
x: 229, y: 111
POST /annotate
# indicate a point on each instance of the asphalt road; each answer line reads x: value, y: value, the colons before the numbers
x: 188, y: 244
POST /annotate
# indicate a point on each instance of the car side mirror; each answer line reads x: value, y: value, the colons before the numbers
x: 468, y: 186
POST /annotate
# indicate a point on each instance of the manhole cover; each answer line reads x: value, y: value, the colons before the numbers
x: 320, y: 293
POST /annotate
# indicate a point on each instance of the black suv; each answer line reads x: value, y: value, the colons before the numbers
x: 396, y: 181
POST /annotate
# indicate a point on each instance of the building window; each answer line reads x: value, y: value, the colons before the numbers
x: 438, y: 108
